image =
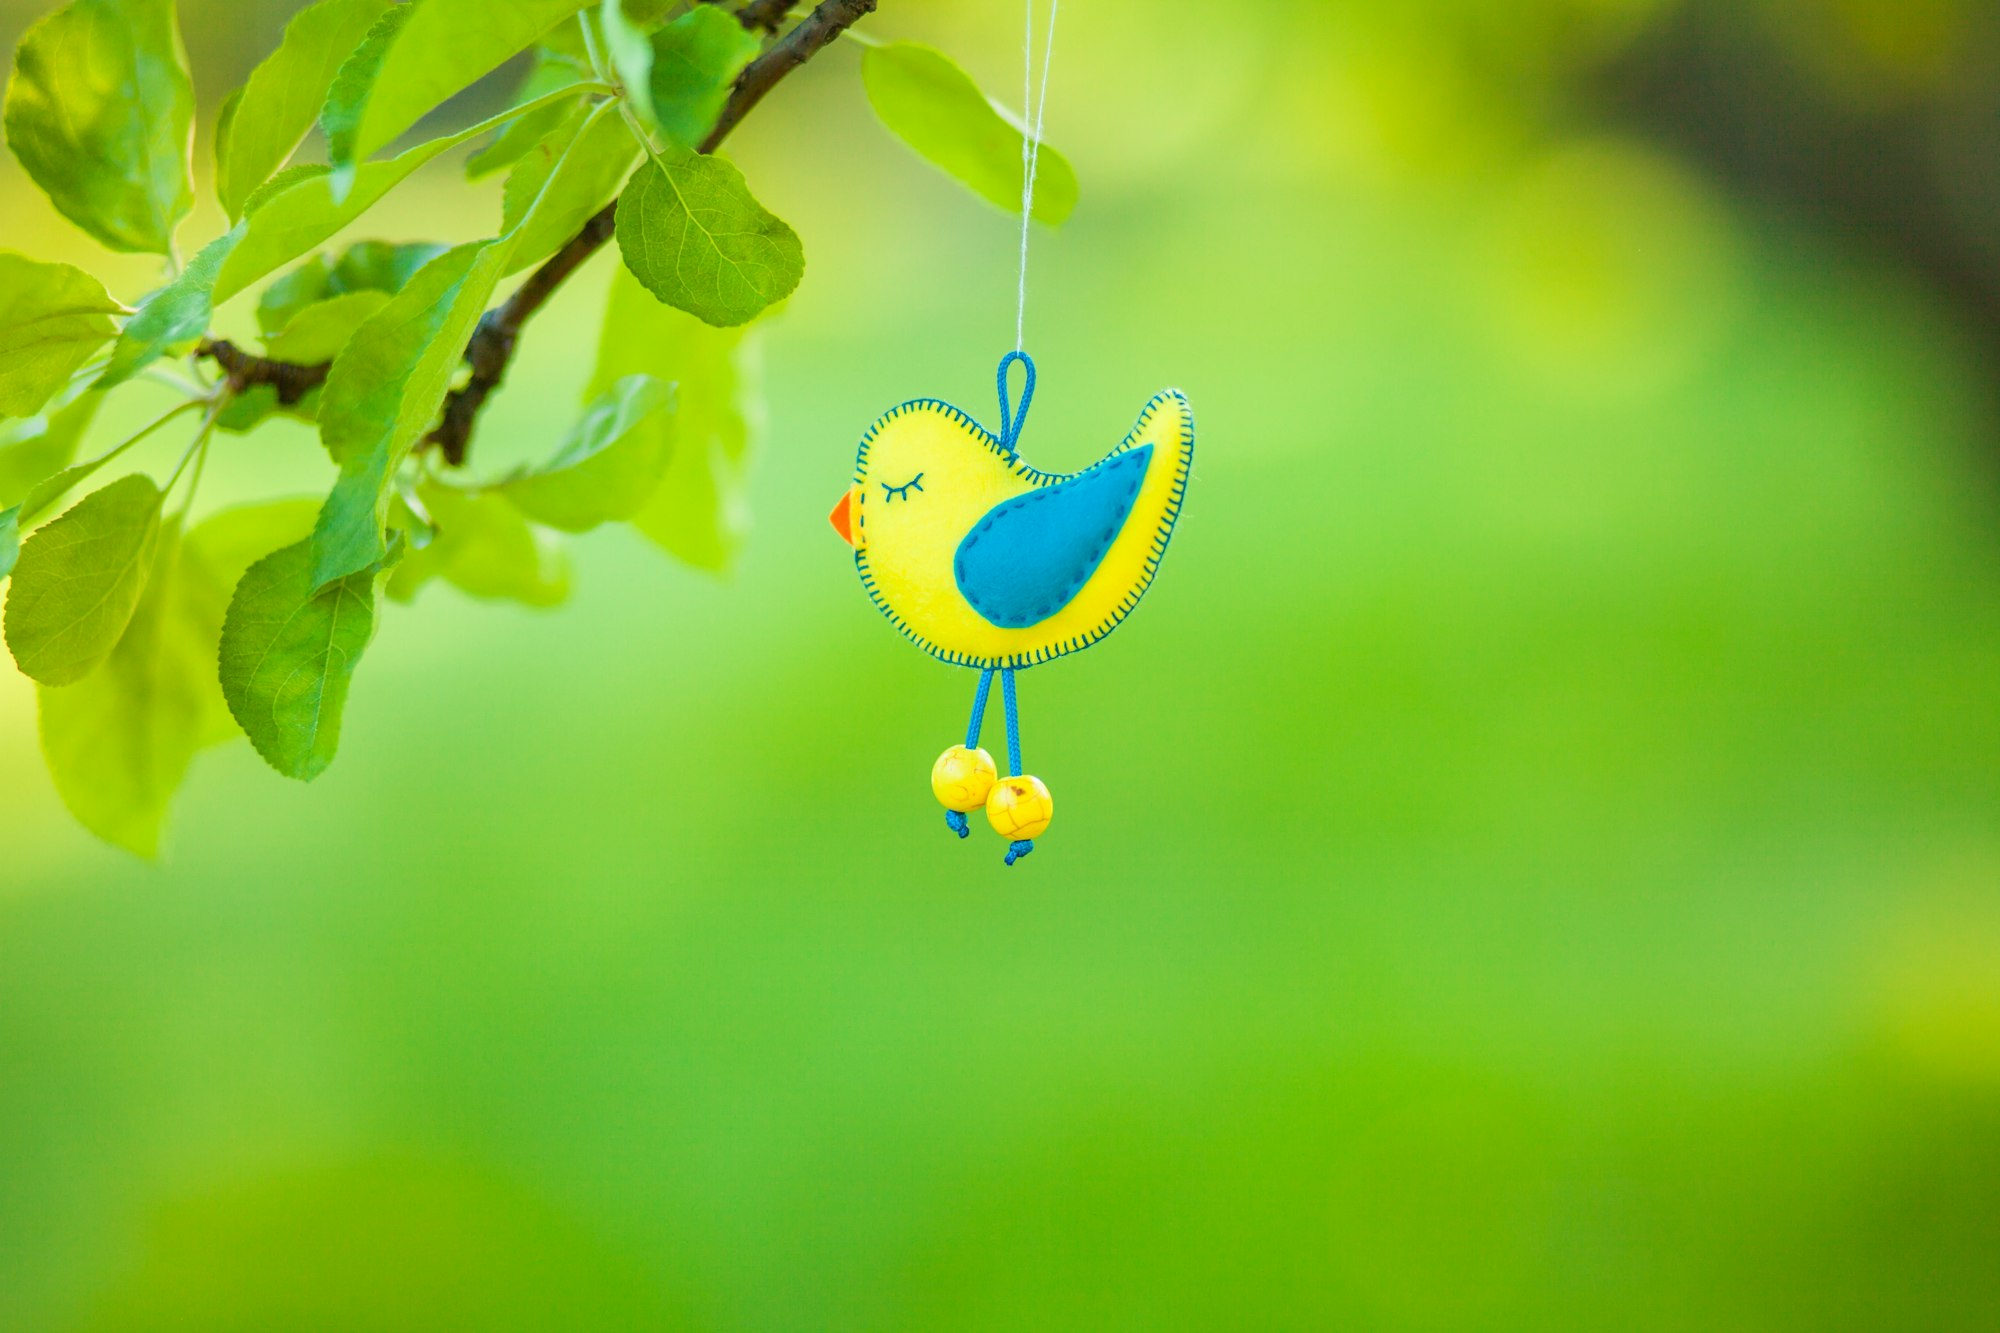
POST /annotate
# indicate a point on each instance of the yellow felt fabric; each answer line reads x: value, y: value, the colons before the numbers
x: 905, y: 543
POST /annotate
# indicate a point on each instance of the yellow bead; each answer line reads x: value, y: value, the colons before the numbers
x: 961, y: 778
x: 1020, y: 808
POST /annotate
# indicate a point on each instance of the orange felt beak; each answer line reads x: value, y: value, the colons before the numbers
x: 843, y: 515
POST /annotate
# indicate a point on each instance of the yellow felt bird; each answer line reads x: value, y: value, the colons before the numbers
x: 986, y: 562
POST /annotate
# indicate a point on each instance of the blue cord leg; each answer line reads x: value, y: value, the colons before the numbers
x: 1013, y: 723
x: 979, y: 709
x: 1020, y: 847
x: 955, y: 820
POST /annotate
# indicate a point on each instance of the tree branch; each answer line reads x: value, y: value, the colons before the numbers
x: 245, y: 369
x: 815, y: 32
x: 766, y: 14
x: 491, y: 348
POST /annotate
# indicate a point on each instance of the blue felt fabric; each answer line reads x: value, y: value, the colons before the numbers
x: 1029, y: 556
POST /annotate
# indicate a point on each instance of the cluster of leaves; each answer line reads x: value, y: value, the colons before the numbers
x: 150, y: 636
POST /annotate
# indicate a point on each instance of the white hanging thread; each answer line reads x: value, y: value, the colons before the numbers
x: 1031, y: 148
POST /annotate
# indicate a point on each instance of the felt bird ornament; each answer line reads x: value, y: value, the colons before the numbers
x: 985, y: 562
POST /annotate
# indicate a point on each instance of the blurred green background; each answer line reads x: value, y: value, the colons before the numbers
x: 1534, y: 862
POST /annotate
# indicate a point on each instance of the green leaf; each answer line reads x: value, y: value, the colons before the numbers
x: 691, y: 232
x: 79, y: 580
x: 284, y: 95
x: 422, y: 329
x: 442, y: 47
x: 539, y: 165
x: 319, y: 332
x: 296, y: 174
x: 564, y: 181
x: 386, y: 388
x: 694, y: 62
x: 380, y: 266
x: 549, y: 75
x: 516, y: 141
x: 221, y: 548
x: 383, y: 392
x: 100, y: 112
x: 366, y: 266
x: 119, y: 742
x: 225, y: 126
x: 289, y: 649
x: 936, y: 108
x: 564, y: 44
x: 246, y: 411
x: 307, y: 285
x: 631, y: 53
x: 35, y: 448
x: 231, y: 540
x: 347, y: 96
x: 284, y: 223
x: 698, y: 512
x: 486, y: 549
x: 609, y: 466
x: 408, y: 520
x: 43, y: 495
x: 10, y: 539
x: 53, y: 318
x: 291, y: 221
x: 177, y: 313
x: 647, y: 15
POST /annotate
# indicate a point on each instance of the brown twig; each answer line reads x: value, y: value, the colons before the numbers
x: 766, y: 14
x: 246, y: 370
x: 814, y: 33
x: 492, y: 346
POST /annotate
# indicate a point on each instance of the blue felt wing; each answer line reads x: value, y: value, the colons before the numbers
x: 1030, y: 555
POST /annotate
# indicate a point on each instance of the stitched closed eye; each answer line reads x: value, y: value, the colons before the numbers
x: 902, y: 492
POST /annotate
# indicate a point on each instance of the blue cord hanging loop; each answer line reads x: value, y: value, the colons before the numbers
x: 1011, y: 421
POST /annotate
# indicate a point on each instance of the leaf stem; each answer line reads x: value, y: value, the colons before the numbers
x: 197, y: 450
x: 42, y: 498
x: 172, y: 412
x: 590, y: 51
x: 175, y: 382
x: 631, y: 120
